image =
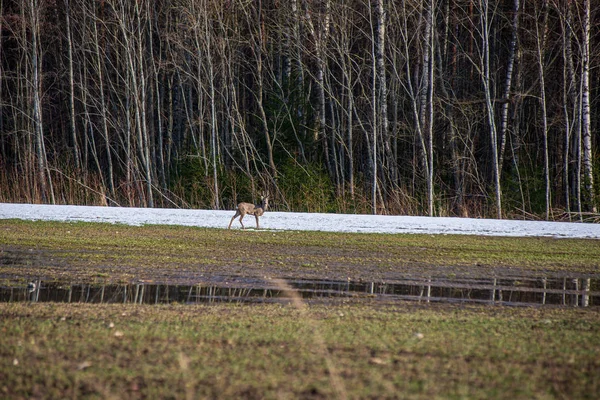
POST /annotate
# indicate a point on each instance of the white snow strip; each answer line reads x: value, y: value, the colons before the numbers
x: 301, y: 221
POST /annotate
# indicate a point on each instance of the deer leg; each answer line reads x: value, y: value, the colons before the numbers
x: 241, y: 218
x: 256, y: 216
x: 231, y: 222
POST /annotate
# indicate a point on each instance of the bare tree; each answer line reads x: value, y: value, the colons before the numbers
x: 485, y: 32
x: 45, y: 179
x: 541, y: 46
x: 74, y: 136
x: 588, y: 165
x: 506, y: 97
x: 413, y: 106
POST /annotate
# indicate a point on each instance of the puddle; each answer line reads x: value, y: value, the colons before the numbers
x: 517, y: 291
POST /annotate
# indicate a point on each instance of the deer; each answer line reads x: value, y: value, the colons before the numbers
x: 253, y: 209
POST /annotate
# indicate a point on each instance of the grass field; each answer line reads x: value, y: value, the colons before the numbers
x: 280, y: 351
x: 337, y: 349
x: 87, y: 252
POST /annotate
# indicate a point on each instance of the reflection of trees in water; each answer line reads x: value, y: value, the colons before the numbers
x: 509, y: 291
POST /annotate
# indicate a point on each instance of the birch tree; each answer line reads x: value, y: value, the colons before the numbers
x: 485, y: 32
x: 74, y: 136
x: 506, y: 97
x: 45, y: 178
x: 541, y: 46
x: 588, y: 165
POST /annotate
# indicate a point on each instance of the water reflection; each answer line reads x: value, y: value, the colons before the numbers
x: 577, y: 292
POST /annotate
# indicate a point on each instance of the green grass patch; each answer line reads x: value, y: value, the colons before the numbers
x: 278, y: 351
x: 116, y: 253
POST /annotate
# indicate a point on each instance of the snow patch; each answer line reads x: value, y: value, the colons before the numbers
x: 302, y: 221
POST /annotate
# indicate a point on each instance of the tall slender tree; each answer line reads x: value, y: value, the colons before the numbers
x: 588, y: 164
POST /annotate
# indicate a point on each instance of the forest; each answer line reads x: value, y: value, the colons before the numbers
x: 481, y: 108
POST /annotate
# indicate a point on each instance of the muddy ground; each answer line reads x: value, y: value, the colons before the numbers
x: 89, y: 253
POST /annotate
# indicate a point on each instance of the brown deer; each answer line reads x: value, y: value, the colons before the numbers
x: 253, y: 209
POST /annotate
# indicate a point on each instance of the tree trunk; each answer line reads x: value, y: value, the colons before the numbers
x: 258, y: 53
x: 508, y: 83
x: 567, y: 88
x: 383, y: 92
x: 45, y: 179
x: 72, y: 88
x: 486, y: 78
x: 103, y: 113
x: 588, y: 167
x: 541, y: 46
x: 431, y: 68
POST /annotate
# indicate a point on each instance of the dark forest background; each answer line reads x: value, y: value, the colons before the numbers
x: 423, y: 107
